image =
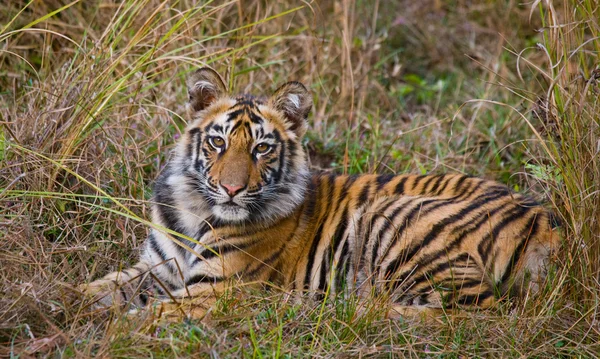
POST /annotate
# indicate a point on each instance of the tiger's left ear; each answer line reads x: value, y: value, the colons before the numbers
x: 295, y: 102
x: 205, y: 86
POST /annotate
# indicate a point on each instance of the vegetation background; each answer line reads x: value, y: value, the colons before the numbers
x: 92, y: 98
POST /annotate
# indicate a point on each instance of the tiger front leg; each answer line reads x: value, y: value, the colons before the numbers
x: 195, y: 301
x: 120, y: 288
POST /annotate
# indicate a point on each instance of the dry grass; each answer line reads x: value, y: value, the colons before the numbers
x: 92, y: 98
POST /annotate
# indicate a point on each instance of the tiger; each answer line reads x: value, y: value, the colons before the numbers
x: 237, y: 203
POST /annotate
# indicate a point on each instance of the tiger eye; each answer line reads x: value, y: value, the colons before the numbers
x: 217, y: 142
x: 262, y: 148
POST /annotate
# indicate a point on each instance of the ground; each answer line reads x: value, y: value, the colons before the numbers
x: 92, y: 98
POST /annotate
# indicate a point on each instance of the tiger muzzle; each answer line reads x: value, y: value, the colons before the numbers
x: 234, y: 177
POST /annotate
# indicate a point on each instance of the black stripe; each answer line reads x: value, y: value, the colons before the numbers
x: 266, y: 263
x: 331, y: 182
x: 156, y: 248
x: 439, y: 179
x: 474, y: 226
x: 463, y: 284
x: 207, y: 253
x: 343, y: 266
x: 417, y: 181
x: 282, y: 167
x: 217, y: 128
x: 292, y: 147
x: 341, y: 230
x: 388, y: 221
x: 202, y: 278
x: 310, y: 204
x: 515, y: 214
x: 165, y: 205
x: 312, y: 253
x: 236, y: 126
x: 364, y: 194
x: 255, y: 118
x: 400, y: 186
x: 425, y: 276
x: 440, y: 191
x: 467, y: 193
x: 377, y: 239
x: 225, y: 248
x: 324, y: 266
x: 204, y: 228
x: 427, y: 183
x: 318, y: 235
x: 248, y: 128
x: 491, y: 189
x: 206, y: 152
x: 459, y: 183
x: 526, y: 234
x: 463, y: 257
x: 349, y: 182
x: 382, y: 180
x: 193, y: 133
x: 198, y: 139
x: 232, y: 115
x: 244, y: 101
x: 222, y: 248
x: 277, y: 135
x: 472, y: 299
x: 341, y: 199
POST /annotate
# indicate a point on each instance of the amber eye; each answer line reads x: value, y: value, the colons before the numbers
x: 216, y: 142
x: 262, y: 148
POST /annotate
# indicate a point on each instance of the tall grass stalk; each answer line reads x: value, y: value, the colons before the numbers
x: 571, y: 116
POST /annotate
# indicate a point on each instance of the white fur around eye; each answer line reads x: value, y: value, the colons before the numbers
x: 294, y: 99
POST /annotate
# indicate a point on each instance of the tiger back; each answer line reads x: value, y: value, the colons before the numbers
x: 237, y: 202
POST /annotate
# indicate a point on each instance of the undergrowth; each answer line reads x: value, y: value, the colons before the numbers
x: 92, y: 98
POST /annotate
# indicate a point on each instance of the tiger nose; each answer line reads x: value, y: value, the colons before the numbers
x: 232, y: 189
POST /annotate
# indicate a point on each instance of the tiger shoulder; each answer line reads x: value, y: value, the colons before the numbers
x: 237, y: 202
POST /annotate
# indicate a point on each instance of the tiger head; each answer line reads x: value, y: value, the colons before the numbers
x: 243, y: 155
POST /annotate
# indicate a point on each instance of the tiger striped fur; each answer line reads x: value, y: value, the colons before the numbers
x: 239, y: 193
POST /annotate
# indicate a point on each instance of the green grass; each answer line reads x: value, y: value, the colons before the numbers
x: 92, y: 98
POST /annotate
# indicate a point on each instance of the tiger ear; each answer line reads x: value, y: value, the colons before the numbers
x: 205, y: 86
x: 295, y: 102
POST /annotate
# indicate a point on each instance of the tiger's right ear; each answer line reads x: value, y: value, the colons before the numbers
x: 295, y: 102
x: 205, y: 86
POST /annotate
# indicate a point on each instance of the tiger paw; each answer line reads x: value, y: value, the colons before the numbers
x: 101, y: 293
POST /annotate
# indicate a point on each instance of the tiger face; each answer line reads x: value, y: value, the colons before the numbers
x: 243, y: 155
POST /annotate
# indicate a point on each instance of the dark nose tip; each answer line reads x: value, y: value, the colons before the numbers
x: 232, y: 189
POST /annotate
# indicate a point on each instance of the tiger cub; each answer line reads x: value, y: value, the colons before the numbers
x: 237, y: 203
